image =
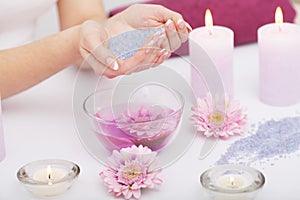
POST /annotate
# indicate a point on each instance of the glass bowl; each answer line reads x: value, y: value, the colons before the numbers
x: 232, y: 182
x: 127, y: 115
x: 46, y: 178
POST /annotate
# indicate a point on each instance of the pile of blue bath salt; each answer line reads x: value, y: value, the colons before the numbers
x: 269, y: 141
x: 126, y: 44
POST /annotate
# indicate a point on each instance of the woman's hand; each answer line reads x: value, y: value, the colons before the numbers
x: 148, y: 16
x: 158, y: 47
x: 94, y: 49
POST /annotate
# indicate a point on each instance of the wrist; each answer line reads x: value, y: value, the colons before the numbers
x: 75, y: 43
x: 72, y: 37
x: 114, y: 25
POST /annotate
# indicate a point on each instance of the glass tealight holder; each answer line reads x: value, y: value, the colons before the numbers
x: 47, y: 178
x: 232, y: 182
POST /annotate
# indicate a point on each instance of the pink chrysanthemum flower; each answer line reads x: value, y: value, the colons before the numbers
x: 212, y: 118
x: 148, y: 121
x: 130, y: 170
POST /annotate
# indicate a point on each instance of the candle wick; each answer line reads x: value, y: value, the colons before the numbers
x: 49, y: 179
x: 209, y: 31
x: 280, y: 27
x: 231, y: 181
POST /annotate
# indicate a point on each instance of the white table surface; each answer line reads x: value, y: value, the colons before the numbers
x: 38, y: 124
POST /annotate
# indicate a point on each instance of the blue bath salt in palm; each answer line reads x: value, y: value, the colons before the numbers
x: 271, y: 140
x: 126, y: 44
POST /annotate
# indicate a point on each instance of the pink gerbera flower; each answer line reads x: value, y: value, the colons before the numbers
x: 148, y: 121
x: 214, y: 118
x: 130, y: 170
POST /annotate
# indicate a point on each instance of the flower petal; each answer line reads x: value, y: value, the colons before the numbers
x: 137, y: 193
x: 130, y: 173
x: 210, y: 111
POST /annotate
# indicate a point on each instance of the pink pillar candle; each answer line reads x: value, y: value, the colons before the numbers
x: 279, y: 61
x: 217, y: 43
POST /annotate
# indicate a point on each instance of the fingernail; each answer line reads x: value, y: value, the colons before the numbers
x: 180, y: 24
x: 162, y: 52
x: 116, y: 66
x: 112, y: 63
x: 166, y: 55
x: 170, y: 24
x: 188, y: 26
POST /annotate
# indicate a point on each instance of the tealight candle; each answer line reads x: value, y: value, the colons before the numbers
x: 211, y: 47
x: 279, y: 58
x: 48, y: 177
x: 232, y: 182
x: 49, y: 174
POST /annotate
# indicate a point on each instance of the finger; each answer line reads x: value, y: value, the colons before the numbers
x: 156, y: 52
x: 98, y: 67
x: 172, y: 35
x: 142, y: 68
x: 188, y: 26
x: 94, y: 40
x: 162, y: 56
x: 164, y: 14
x: 146, y: 61
x: 145, y: 56
x: 182, y: 30
x: 104, y: 56
x: 161, y: 52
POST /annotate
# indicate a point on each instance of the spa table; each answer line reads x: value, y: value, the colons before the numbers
x: 39, y: 124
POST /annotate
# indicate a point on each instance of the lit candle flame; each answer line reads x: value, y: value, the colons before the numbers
x: 231, y: 180
x: 279, y: 17
x: 49, y: 175
x: 209, y: 21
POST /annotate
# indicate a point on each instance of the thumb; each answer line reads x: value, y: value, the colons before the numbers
x: 94, y: 40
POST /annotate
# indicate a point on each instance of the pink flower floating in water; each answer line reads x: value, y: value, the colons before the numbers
x: 130, y: 170
x: 148, y: 121
x: 213, y: 118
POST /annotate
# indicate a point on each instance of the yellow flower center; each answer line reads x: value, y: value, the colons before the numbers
x: 132, y: 172
x: 217, y: 118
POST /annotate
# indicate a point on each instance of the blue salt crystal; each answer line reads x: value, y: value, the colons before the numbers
x: 271, y: 141
x: 126, y: 44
